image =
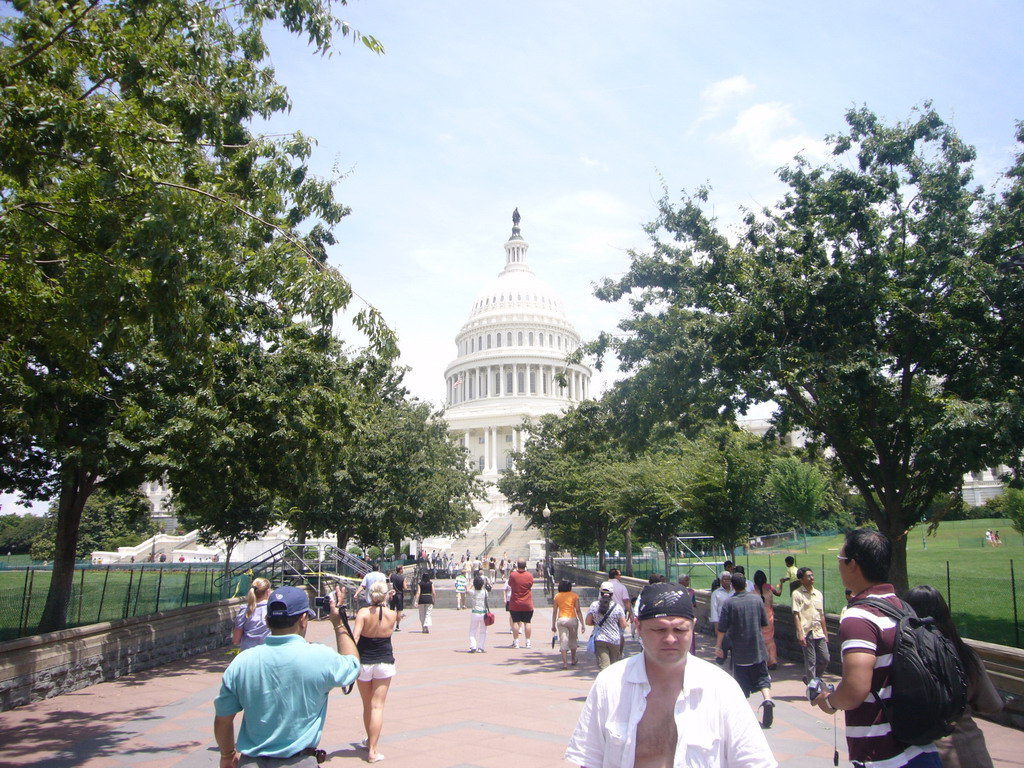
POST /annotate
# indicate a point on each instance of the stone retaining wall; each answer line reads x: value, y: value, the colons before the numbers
x: 41, y: 666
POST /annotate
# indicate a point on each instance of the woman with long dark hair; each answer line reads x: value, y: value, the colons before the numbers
x: 767, y: 593
x: 965, y: 747
x: 425, y: 600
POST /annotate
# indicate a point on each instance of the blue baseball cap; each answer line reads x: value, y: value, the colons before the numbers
x: 287, y: 602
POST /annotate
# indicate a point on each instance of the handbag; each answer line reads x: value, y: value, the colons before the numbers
x: 488, y: 617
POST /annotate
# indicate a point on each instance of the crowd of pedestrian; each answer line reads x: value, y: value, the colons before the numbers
x: 673, y: 707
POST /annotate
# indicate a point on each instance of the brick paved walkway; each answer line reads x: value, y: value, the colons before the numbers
x: 506, y: 708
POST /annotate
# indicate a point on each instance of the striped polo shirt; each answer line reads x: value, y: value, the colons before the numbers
x: 863, y: 629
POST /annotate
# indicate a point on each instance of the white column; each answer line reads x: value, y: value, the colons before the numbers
x: 515, y: 379
x: 487, y: 447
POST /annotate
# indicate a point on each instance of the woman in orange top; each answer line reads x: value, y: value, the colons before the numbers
x: 566, y: 619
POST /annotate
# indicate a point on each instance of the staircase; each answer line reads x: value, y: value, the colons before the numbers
x: 505, y: 533
x: 307, y: 564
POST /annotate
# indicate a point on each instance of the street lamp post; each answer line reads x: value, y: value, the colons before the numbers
x: 547, y: 546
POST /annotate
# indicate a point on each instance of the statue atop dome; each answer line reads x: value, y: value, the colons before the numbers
x: 516, y: 217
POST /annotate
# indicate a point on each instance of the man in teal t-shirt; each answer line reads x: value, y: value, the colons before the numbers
x: 281, y: 687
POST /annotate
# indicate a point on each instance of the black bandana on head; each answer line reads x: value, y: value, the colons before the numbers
x: 660, y: 600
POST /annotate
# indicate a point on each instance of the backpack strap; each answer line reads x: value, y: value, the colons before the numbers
x: 894, y: 613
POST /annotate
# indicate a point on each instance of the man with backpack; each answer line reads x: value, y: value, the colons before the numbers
x: 874, y: 646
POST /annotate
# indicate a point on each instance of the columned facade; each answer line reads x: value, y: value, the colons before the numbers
x: 510, y: 365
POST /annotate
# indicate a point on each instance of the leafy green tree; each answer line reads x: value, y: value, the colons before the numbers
x: 109, y: 521
x: 868, y: 304
x: 727, y: 483
x: 564, y: 466
x: 800, y: 490
x: 1013, y: 508
x: 141, y: 223
x: 17, y: 532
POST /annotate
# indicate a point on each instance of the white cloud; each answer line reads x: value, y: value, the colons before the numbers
x: 589, y: 163
x: 716, y: 96
x: 769, y: 133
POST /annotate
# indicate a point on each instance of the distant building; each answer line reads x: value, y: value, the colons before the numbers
x: 510, y: 365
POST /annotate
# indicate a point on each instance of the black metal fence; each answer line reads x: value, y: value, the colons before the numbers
x: 105, y: 593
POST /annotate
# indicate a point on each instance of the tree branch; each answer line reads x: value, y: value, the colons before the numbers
x: 53, y: 41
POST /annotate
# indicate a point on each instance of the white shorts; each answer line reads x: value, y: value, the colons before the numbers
x: 370, y: 672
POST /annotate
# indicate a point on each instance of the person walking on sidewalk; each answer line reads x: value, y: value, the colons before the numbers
x: 281, y: 687
x: 811, y: 629
x: 566, y: 619
x: 664, y: 707
x: 425, y: 600
x: 768, y: 593
x: 478, y: 608
x: 374, y: 627
x: 741, y: 620
x: 608, y: 620
x: 521, y: 603
x: 251, y: 622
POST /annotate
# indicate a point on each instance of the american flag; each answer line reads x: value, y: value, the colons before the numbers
x: 458, y: 381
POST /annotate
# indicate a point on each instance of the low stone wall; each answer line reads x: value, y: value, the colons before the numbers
x: 41, y: 666
x: 1005, y: 665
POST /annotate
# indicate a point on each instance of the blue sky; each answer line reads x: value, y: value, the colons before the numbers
x: 579, y: 113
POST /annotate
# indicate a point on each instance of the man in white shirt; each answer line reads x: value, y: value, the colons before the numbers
x: 368, y: 580
x: 621, y: 596
x: 665, y: 707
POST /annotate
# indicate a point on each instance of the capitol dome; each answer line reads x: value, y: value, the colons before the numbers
x: 511, y: 362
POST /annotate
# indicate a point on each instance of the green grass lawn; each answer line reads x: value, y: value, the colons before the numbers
x: 978, y: 586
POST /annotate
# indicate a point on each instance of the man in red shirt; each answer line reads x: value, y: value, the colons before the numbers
x: 521, y: 604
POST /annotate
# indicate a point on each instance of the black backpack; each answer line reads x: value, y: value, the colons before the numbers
x: 928, y: 680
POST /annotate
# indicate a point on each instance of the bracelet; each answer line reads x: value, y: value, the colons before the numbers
x: 228, y: 754
x: 828, y: 701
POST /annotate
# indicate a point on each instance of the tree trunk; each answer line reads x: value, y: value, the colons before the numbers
x: 602, y: 546
x: 668, y: 562
x: 76, y: 486
x: 229, y: 547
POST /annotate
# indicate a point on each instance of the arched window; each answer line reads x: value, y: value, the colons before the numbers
x: 480, y: 342
x: 551, y: 340
x: 520, y: 338
x: 510, y: 338
x: 540, y: 339
x: 531, y: 338
x: 498, y: 339
x: 488, y: 341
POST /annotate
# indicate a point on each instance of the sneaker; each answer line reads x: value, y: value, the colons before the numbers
x: 515, y: 643
x: 769, y: 713
x: 480, y: 650
x: 527, y: 643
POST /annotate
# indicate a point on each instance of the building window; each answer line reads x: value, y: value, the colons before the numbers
x: 488, y: 341
x: 510, y: 338
x: 540, y: 339
x: 497, y: 379
x: 533, y: 383
x: 531, y: 338
x: 521, y: 383
x: 480, y: 342
x: 520, y: 338
x: 483, y: 464
x: 470, y: 345
x: 508, y: 461
x: 508, y: 383
x: 499, y: 339
x: 551, y: 340
x: 559, y: 342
